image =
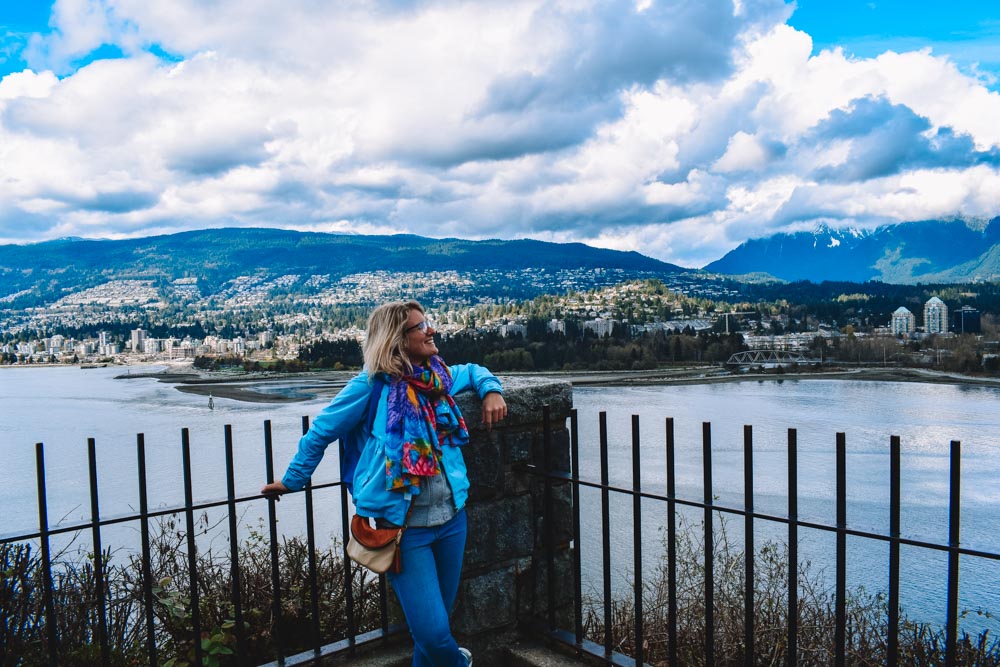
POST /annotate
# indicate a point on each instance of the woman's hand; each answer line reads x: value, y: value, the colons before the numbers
x: 494, y: 409
x: 274, y: 489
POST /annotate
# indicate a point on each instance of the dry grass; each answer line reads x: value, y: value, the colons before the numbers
x: 867, y: 614
x: 23, y: 628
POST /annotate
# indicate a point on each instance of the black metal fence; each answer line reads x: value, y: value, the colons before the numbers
x: 711, y: 511
x: 105, y: 654
x: 606, y: 647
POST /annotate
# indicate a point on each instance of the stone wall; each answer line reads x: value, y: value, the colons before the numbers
x: 504, y: 578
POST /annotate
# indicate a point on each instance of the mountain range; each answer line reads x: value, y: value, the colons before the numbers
x: 908, y: 253
x: 930, y: 251
x: 44, y: 272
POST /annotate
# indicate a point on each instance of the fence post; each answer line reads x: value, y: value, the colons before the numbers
x: 706, y: 452
x: 637, y: 538
x: 51, y: 630
x: 311, y: 545
x: 671, y: 545
x: 236, y: 586
x: 191, y: 547
x: 272, y: 522
x: 954, y: 524
x: 606, y: 534
x: 147, y: 575
x: 793, y: 549
x: 840, y: 632
x: 95, y: 525
x: 748, y: 547
x: 894, y: 520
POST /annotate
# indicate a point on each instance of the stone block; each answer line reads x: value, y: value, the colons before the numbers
x: 525, y: 397
x: 517, y: 446
x: 499, y: 531
x: 486, y: 602
x: 484, y: 461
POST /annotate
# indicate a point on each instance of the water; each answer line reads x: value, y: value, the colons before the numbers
x: 62, y: 407
x: 925, y: 416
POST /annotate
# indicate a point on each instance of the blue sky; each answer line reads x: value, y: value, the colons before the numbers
x: 967, y: 31
x: 679, y: 128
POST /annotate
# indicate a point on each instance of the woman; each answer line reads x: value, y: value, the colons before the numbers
x: 411, y: 470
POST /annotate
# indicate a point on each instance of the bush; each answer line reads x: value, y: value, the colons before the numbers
x: 23, y: 627
x: 867, y: 614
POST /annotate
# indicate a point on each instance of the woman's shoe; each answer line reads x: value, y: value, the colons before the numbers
x: 467, y: 653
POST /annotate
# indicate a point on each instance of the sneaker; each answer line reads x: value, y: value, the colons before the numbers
x: 466, y: 653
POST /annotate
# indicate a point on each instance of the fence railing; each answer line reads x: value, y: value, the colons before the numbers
x: 711, y: 510
x: 606, y: 645
x: 153, y: 604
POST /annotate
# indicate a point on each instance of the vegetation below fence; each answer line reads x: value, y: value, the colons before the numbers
x: 23, y: 625
x: 867, y: 615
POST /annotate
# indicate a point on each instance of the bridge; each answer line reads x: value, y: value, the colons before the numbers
x: 754, y: 357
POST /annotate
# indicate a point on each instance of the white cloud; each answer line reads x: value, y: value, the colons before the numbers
x: 677, y: 127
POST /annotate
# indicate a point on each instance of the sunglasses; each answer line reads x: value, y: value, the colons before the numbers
x: 423, y: 326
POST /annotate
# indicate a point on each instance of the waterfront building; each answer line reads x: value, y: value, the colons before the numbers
x: 904, y: 322
x: 137, y: 339
x: 935, y: 316
x: 56, y: 344
x: 966, y: 321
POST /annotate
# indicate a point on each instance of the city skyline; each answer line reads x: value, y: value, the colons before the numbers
x: 679, y: 129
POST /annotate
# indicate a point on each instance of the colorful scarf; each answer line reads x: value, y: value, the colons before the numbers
x: 422, y: 417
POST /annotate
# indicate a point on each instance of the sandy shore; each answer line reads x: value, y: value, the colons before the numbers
x: 293, y: 387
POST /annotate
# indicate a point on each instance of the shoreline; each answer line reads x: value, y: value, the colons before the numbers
x: 246, y: 387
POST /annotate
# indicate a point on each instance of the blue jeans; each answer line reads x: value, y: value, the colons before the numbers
x: 426, y: 588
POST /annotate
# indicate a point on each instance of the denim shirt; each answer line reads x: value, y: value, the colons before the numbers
x: 348, y: 411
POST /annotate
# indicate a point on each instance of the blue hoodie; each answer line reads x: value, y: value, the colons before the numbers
x: 345, y: 417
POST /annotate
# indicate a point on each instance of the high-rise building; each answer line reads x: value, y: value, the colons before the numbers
x: 935, y: 316
x: 903, y: 322
x: 138, y: 338
x: 966, y: 320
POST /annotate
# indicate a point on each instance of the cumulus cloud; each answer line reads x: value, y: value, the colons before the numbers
x: 678, y: 128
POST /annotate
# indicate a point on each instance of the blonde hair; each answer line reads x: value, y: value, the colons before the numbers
x: 384, y: 346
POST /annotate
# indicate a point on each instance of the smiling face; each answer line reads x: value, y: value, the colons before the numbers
x: 419, y: 345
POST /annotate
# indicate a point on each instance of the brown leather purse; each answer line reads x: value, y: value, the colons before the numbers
x: 375, y: 548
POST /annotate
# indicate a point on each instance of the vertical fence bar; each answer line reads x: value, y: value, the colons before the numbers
x: 954, y: 523
x: 706, y: 453
x: 191, y: 546
x: 272, y: 522
x: 793, y: 549
x: 311, y: 545
x: 574, y: 443
x: 345, y: 530
x: 894, y: 521
x: 840, y: 632
x: 51, y: 630
x: 95, y: 526
x: 748, y: 547
x: 606, y: 534
x: 671, y: 546
x: 235, y: 576
x: 147, y: 575
x: 550, y: 567
x: 637, y: 538
x: 383, y: 596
